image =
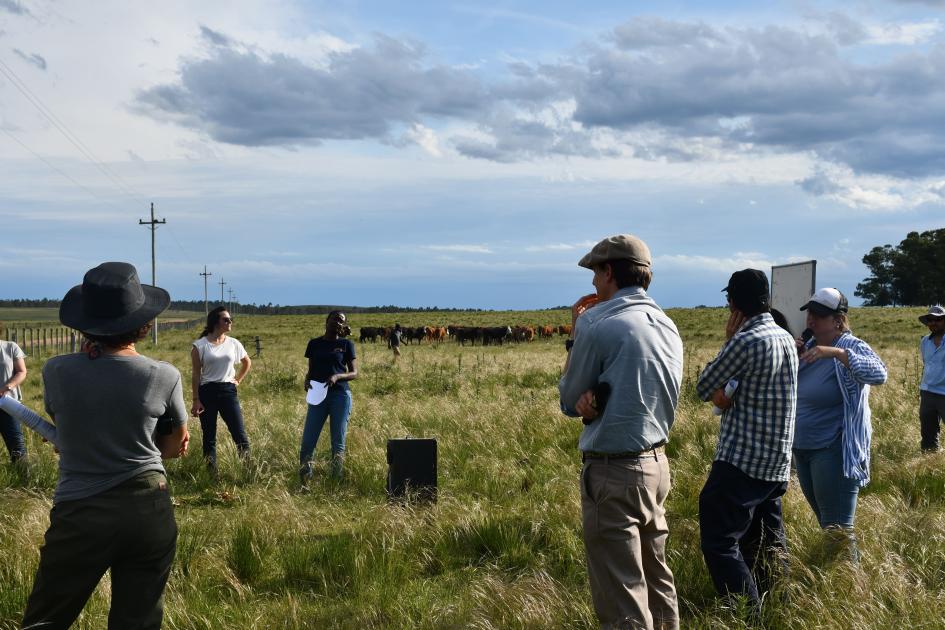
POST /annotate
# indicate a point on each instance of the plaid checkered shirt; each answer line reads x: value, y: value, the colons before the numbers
x: 757, y: 431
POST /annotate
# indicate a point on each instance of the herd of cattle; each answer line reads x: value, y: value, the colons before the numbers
x: 484, y: 335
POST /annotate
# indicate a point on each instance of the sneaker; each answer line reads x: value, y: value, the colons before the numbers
x: 337, y: 465
x: 305, y: 473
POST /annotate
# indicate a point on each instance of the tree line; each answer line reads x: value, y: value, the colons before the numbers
x: 267, y: 309
x: 911, y: 273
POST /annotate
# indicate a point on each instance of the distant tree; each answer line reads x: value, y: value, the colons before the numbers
x: 909, y: 274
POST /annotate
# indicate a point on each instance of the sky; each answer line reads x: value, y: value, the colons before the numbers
x: 462, y: 154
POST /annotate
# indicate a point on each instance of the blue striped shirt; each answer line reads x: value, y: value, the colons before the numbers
x: 866, y: 368
x: 933, y: 375
x: 757, y: 431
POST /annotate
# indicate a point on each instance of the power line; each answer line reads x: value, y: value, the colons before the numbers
x: 56, y: 169
x: 37, y: 103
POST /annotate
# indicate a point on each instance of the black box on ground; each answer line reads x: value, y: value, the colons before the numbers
x: 411, y: 468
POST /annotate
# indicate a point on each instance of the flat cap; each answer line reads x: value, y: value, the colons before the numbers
x: 618, y: 247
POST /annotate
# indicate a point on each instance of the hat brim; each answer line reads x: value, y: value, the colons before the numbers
x: 819, y: 309
x: 156, y: 301
x: 925, y: 318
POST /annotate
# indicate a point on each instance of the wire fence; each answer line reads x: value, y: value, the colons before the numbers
x: 52, y: 340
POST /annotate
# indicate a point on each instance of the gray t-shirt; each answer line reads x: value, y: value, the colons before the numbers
x: 106, y: 412
x: 9, y: 353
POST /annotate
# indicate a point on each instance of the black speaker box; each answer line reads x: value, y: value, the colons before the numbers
x: 411, y: 468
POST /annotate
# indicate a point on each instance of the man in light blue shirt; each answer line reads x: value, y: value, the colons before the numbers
x: 932, y: 389
x: 623, y: 378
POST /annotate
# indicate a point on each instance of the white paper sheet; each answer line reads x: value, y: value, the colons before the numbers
x: 316, y: 392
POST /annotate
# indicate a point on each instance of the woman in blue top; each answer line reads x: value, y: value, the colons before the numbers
x: 832, y: 432
x: 332, y: 363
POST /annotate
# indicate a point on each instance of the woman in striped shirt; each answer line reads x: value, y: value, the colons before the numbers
x: 832, y: 432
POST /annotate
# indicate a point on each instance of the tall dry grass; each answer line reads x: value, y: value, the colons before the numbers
x: 502, y: 547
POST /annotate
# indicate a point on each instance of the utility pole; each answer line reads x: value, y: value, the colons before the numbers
x: 221, y: 283
x: 229, y: 305
x: 206, y: 303
x: 153, y: 223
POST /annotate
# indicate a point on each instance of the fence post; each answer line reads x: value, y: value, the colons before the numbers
x: 258, y: 347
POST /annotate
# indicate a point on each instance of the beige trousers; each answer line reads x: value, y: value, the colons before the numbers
x: 625, y: 538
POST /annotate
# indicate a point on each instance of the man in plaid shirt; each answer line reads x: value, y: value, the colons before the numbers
x: 740, y: 505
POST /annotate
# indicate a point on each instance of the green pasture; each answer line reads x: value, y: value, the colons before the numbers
x: 502, y: 546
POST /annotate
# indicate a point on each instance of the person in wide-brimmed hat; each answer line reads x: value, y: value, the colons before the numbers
x: 932, y: 388
x: 117, y: 415
x: 832, y: 433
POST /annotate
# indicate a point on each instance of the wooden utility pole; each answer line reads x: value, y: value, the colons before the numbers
x: 153, y: 223
x: 206, y: 303
x: 221, y: 283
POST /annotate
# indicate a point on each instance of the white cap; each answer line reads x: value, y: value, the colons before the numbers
x: 827, y: 299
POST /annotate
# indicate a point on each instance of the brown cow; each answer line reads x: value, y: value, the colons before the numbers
x: 546, y: 331
x: 564, y: 330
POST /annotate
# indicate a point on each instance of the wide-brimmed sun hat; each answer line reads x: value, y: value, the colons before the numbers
x: 934, y: 311
x: 111, y: 300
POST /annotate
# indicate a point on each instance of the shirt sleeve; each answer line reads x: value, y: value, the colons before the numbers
x: 176, y: 412
x: 865, y: 365
x: 47, y: 392
x: 309, y: 350
x: 240, y: 350
x: 18, y: 352
x: 350, y: 354
x: 730, y: 362
x: 584, y: 368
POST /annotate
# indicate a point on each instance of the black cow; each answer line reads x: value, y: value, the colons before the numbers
x: 496, y: 334
x: 370, y: 333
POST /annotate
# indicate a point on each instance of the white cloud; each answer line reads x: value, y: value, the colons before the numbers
x: 907, y: 34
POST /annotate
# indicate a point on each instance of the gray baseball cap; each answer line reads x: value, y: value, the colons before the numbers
x: 618, y: 247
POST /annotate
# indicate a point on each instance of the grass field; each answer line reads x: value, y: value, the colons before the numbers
x: 502, y: 546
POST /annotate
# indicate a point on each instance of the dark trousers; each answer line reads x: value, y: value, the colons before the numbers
x: 742, y: 533
x: 221, y: 398
x: 12, y: 436
x: 129, y: 529
x: 931, y: 412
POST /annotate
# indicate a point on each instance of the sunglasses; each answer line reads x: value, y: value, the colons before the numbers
x: 226, y: 320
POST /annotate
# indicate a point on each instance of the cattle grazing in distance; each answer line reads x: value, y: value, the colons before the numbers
x: 496, y: 334
x: 371, y: 333
x: 523, y: 333
x: 485, y: 335
x: 436, y: 333
x: 417, y: 333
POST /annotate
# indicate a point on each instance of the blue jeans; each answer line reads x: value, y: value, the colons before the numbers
x: 221, y: 397
x: 337, y: 404
x: 831, y: 495
x: 12, y: 436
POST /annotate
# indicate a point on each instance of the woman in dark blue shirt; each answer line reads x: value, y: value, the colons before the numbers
x: 331, y: 364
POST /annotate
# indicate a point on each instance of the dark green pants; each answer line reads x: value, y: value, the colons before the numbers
x: 130, y: 530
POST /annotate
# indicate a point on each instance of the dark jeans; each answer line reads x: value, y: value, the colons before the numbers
x: 129, y: 529
x: 12, y: 436
x: 742, y: 533
x: 222, y: 398
x: 931, y: 412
